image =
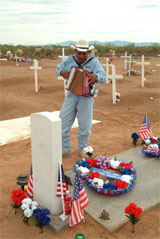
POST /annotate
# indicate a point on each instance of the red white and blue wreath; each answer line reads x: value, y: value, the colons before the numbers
x: 151, y: 147
x: 106, y: 176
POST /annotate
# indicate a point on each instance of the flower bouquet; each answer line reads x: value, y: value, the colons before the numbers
x: 135, y: 138
x: 151, y: 147
x: 133, y: 213
x: 42, y: 216
x: 17, y: 197
x: 106, y: 176
x: 28, y: 206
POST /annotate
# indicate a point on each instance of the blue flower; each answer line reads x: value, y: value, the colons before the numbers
x: 42, y: 216
x: 134, y: 136
x: 109, y: 186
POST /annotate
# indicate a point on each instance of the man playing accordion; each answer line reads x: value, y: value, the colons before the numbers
x: 81, y: 72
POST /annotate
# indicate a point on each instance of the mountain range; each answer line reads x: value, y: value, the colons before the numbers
x: 114, y: 43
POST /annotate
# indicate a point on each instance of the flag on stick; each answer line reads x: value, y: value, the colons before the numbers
x: 145, y: 131
x: 80, y: 201
x: 64, y: 183
x: 30, y: 184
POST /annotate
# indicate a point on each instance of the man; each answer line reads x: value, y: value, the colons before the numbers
x: 76, y: 105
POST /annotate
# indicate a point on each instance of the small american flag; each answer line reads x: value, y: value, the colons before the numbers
x: 64, y: 183
x: 145, y: 131
x: 30, y: 184
x: 80, y: 201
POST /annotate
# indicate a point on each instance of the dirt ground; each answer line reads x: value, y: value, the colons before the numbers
x: 111, y: 136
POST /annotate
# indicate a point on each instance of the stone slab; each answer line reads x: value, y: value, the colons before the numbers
x: 19, y: 129
x: 146, y: 192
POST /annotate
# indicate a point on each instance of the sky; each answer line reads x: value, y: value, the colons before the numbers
x: 53, y: 21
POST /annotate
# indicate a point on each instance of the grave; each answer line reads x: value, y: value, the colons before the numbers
x: 46, y: 140
x: 113, y: 53
x: 114, y: 77
x: 145, y: 192
x: 125, y: 60
x: 130, y: 64
x: 60, y: 77
x: 107, y: 65
x: 19, y: 129
x: 142, y: 63
x: 35, y: 67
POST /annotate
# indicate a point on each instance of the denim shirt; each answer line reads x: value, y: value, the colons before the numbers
x: 94, y: 65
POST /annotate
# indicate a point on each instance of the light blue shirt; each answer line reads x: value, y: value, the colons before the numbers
x: 94, y: 65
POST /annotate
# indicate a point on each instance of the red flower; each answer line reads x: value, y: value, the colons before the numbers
x: 18, y: 196
x: 133, y: 209
x: 153, y: 140
x: 121, y: 184
x: 93, y: 175
x: 125, y: 165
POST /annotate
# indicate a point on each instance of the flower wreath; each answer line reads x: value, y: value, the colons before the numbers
x: 151, y: 147
x: 99, y: 174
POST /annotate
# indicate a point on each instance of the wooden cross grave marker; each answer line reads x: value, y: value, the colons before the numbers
x: 35, y: 67
x: 114, y: 77
x: 142, y: 63
x: 125, y: 60
x: 107, y: 65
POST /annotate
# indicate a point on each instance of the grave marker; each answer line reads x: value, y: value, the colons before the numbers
x: 113, y: 53
x: 107, y: 65
x: 35, y: 67
x: 61, y: 77
x: 46, y: 157
x: 125, y: 60
x: 114, y: 77
x: 142, y: 63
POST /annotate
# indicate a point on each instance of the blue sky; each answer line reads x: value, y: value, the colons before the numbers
x: 52, y: 21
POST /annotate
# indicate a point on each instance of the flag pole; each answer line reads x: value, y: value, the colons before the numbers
x: 63, y: 216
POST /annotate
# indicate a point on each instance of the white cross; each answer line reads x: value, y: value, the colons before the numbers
x: 125, y: 60
x: 114, y: 77
x: 63, y: 55
x: 35, y: 67
x: 60, y: 77
x: 113, y: 53
x: 142, y: 63
x: 107, y: 65
x: 16, y: 60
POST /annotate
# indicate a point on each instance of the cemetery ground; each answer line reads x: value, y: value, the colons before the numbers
x: 110, y: 137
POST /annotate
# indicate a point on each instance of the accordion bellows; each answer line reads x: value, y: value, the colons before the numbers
x: 77, y: 82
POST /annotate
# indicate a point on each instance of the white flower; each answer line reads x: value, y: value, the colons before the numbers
x: 27, y: 201
x: 24, y: 206
x: 33, y: 208
x: 126, y: 178
x: 114, y: 163
x: 28, y: 213
x: 97, y: 181
x: 83, y: 169
x: 34, y: 203
x: 88, y: 149
x: 147, y: 141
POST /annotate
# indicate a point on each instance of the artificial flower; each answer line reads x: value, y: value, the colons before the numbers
x: 114, y: 163
x: 83, y: 170
x: 133, y: 213
x: 135, y: 138
x: 126, y: 178
x: 121, y: 184
x: 42, y: 216
x: 17, y: 197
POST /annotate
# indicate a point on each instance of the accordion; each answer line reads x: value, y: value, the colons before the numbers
x: 78, y: 82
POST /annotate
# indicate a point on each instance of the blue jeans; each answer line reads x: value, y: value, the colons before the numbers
x: 79, y: 106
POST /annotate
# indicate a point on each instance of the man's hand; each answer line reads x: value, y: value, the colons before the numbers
x: 65, y: 74
x: 92, y: 78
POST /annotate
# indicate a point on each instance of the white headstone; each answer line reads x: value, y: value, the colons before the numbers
x: 16, y: 60
x: 142, y: 63
x: 35, y: 67
x: 114, y: 77
x: 46, y: 157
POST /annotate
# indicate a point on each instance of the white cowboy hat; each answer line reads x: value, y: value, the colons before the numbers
x: 82, y: 45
